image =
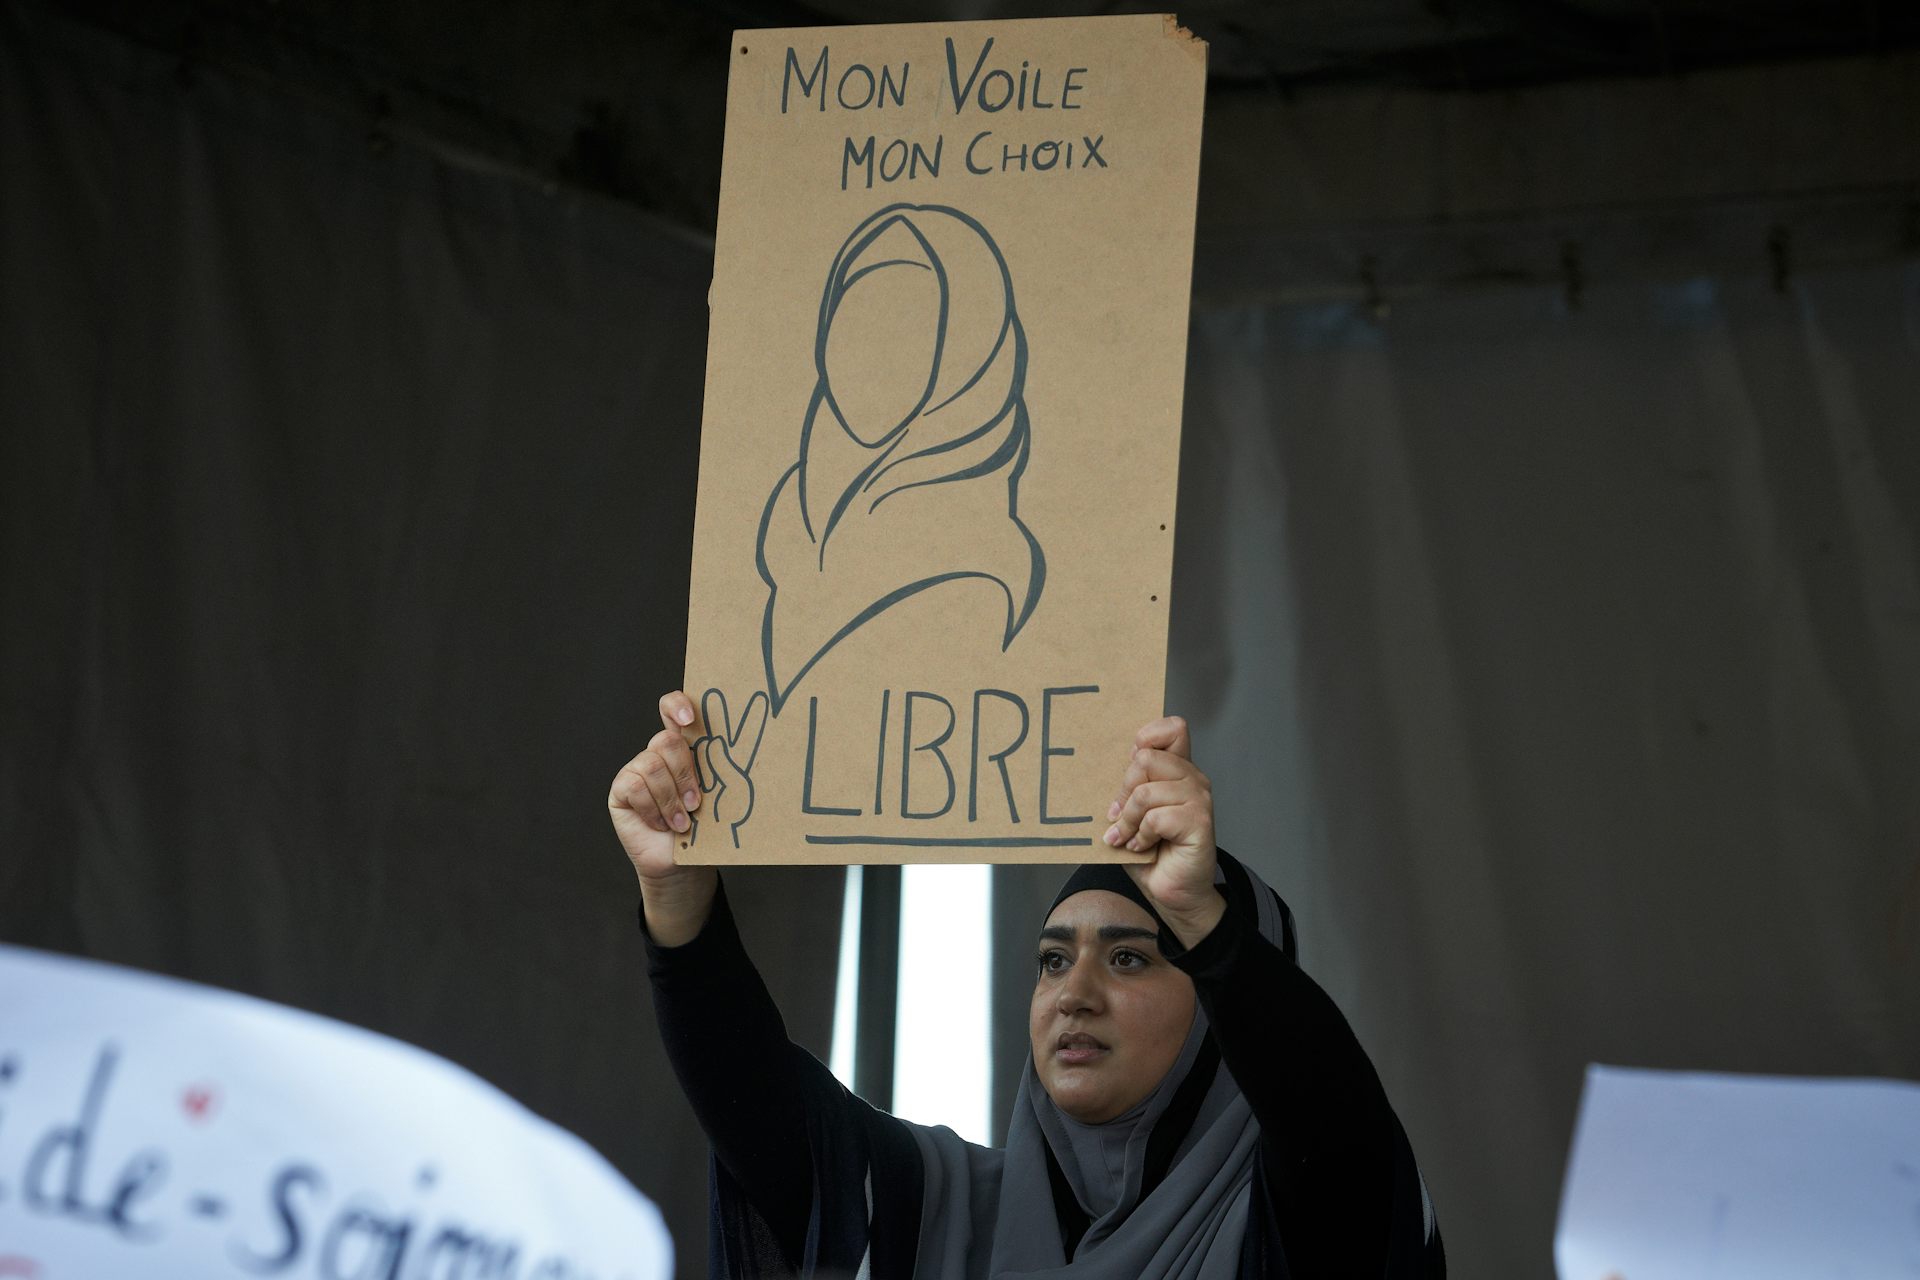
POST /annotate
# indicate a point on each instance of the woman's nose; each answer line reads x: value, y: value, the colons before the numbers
x: 1080, y: 991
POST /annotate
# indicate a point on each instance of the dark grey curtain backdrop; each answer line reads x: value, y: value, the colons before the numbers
x: 1567, y: 671
x: 344, y: 500
x: 1561, y: 667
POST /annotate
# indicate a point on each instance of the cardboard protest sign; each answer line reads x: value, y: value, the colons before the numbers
x: 935, y: 526
x: 160, y: 1129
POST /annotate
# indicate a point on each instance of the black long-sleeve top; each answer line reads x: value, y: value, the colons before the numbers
x: 1341, y: 1194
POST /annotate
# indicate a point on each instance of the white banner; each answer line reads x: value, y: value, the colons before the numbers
x: 1684, y: 1176
x: 157, y: 1129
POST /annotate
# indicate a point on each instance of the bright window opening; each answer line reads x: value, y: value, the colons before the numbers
x: 941, y: 1038
x: 846, y: 987
x: 941, y: 1067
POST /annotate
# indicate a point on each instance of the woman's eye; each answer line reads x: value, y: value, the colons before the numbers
x: 1052, y: 961
x: 1129, y: 959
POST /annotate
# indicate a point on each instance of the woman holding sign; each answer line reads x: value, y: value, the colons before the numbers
x: 1195, y: 1105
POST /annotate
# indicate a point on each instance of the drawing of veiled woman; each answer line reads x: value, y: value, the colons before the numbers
x: 914, y: 442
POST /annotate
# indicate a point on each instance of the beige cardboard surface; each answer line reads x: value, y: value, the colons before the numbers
x: 939, y: 454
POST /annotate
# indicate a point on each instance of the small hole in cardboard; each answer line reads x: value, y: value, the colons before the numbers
x: 743, y: 48
x: 683, y: 844
x: 1154, y: 598
x: 1163, y: 528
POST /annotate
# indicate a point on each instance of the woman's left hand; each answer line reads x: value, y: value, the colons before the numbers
x: 1165, y: 807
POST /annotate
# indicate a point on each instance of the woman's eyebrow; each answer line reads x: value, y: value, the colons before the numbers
x: 1106, y: 933
x: 1115, y: 932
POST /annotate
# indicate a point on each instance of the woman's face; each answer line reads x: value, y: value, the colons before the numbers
x: 1109, y: 1013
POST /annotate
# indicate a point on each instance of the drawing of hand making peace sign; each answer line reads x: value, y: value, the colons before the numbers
x: 725, y: 755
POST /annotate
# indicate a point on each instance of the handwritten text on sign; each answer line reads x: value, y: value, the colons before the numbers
x: 977, y: 90
x: 158, y: 1129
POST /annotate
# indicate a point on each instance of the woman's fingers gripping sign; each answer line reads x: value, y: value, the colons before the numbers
x: 1165, y: 807
x: 656, y: 792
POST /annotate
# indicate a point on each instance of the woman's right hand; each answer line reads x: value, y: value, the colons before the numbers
x: 651, y: 804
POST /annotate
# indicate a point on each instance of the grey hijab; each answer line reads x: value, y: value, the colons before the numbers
x: 988, y: 1213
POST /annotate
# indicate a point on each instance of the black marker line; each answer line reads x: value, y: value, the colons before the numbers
x: 935, y: 842
x: 880, y: 760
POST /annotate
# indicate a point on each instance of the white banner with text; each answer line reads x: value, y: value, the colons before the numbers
x: 156, y: 1128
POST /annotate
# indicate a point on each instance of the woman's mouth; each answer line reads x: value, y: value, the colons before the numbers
x: 1076, y: 1048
